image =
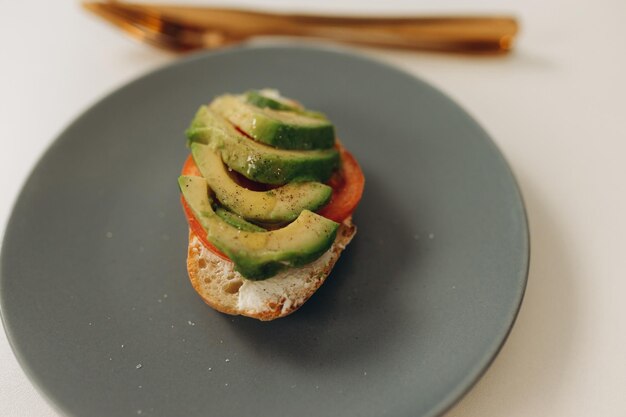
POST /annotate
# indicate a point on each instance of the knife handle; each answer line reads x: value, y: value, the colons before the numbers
x: 457, y: 34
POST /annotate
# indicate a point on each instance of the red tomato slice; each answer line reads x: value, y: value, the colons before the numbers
x: 190, y: 168
x: 347, y: 185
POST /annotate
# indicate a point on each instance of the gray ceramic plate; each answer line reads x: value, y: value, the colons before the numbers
x: 100, y: 313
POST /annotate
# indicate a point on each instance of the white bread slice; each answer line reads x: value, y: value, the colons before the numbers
x: 224, y: 289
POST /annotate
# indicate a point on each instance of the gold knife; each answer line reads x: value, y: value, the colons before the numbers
x: 185, y: 28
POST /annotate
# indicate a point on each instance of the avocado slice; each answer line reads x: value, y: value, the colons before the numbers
x: 258, y: 162
x: 272, y: 99
x: 278, y: 128
x: 237, y: 221
x: 281, y: 204
x: 260, y: 255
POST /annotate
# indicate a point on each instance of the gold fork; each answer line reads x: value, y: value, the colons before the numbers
x: 181, y: 28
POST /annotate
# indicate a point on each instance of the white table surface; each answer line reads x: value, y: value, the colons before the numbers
x: 556, y: 108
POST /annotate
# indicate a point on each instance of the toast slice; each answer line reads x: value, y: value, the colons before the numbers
x: 224, y: 289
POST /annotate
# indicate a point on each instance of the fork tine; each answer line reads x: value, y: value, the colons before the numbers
x: 149, y: 28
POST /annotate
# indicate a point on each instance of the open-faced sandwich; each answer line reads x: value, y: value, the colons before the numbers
x: 268, y: 193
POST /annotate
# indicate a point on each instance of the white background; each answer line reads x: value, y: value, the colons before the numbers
x: 556, y: 108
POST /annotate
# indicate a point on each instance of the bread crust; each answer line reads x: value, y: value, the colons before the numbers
x: 225, y: 290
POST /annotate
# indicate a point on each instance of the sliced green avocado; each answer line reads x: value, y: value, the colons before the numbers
x: 258, y: 162
x: 260, y: 255
x: 281, y: 204
x: 278, y: 128
x: 273, y: 100
x: 237, y: 221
